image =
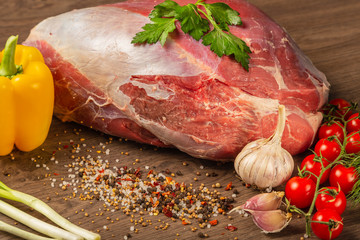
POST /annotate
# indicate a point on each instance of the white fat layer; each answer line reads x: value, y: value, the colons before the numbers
x: 110, y: 49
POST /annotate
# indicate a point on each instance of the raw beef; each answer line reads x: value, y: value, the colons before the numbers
x: 181, y: 95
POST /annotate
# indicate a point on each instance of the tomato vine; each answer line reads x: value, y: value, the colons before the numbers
x: 336, y: 152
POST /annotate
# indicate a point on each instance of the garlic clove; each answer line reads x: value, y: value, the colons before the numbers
x: 264, y: 208
x: 262, y: 202
x: 271, y: 221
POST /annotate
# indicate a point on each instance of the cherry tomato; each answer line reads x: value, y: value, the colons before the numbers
x: 331, y: 129
x: 324, y: 231
x: 300, y: 191
x: 331, y: 198
x: 315, y: 167
x: 353, y: 143
x: 343, y: 107
x: 328, y: 148
x: 346, y: 177
x: 354, y: 123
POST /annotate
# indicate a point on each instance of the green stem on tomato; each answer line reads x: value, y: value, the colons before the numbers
x: 318, y: 178
x: 323, y: 170
x: 322, y: 222
x: 355, y: 193
x: 312, y: 205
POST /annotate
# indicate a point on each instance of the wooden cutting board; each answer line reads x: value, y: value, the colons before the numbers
x: 326, y: 30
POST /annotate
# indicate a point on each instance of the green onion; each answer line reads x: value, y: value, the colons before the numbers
x: 73, y: 231
x: 35, y: 223
x: 21, y: 233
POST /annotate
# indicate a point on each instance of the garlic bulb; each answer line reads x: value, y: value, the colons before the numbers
x: 264, y: 162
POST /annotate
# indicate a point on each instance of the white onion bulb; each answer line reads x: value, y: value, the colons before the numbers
x: 264, y: 162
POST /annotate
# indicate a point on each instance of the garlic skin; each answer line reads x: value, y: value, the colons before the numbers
x: 264, y: 201
x: 264, y: 162
x: 271, y: 221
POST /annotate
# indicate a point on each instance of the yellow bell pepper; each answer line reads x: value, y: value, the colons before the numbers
x: 26, y: 98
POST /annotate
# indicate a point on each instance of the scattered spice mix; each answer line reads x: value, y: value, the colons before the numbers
x: 141, y: 190
x: 144, y: 189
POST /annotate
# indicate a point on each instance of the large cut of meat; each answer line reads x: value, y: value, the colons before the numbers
x: 181, y: 95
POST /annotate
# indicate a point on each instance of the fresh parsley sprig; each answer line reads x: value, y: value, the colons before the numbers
x: 196, y: 20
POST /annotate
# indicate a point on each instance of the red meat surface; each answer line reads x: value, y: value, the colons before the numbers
x: 181, y: 95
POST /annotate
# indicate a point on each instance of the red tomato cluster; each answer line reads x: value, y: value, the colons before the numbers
x: 330, y: 202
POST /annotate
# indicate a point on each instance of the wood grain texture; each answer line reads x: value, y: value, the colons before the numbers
x: 326, y: 30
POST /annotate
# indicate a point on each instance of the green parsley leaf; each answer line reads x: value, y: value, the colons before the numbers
x: 228, y: 44
x: 196, y: 22
x: 191, y: 21
x: 156, y: 31
x: 164, y: 9
x: 243, y: 55
x: 223, y: 14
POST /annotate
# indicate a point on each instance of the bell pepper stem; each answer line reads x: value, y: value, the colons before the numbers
x: 8, y: 67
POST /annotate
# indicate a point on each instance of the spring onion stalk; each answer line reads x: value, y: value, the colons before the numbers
x: 21, y: 233
x: 47, y: 211
x: 35, y: 223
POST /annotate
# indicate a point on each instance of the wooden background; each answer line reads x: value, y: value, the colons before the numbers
x: 326, y: 30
